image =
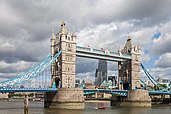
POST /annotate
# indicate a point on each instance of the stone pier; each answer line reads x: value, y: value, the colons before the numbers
x: 65, y: 98
x: 134, y: 98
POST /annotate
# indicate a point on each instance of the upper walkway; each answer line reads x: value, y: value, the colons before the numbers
x: 101, y: 54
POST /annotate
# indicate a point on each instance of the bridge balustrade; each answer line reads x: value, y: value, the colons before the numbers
x: 99, y: 51
x: 83, y: 48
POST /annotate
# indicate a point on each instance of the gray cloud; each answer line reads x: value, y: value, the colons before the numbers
x: 162, y: 44
x: 84, y: 65
x: 26, y: 27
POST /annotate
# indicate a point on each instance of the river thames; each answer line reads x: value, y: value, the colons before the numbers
x: 16, y: 107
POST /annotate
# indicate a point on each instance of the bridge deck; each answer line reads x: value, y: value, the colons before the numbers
x: 11, y: 90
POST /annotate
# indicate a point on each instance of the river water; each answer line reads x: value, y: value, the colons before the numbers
x: 16, y: 107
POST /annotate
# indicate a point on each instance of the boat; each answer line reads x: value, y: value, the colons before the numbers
x: 101, y: 107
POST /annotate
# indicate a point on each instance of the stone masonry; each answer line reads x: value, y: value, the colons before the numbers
x: 129, y: 70
x: 64, y: 67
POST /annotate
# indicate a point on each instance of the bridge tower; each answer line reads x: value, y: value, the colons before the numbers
x: 129, y: 79
x: 129, y: 70
x: 63, y: 70
x: 64, y: 67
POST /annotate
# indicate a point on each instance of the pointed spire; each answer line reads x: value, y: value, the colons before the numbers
x: 53, y: 34
x: 63, y: 27
x: 129, y: 38
x: 138, y: 45
x: 128, y: 46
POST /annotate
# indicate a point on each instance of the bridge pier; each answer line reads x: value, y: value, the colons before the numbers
x: 134, y: 98
x: 65, y: 98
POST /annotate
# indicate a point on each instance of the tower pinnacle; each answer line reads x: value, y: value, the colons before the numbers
x: 53, y: 34
x: 63, y: 27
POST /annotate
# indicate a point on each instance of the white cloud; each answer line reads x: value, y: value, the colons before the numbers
x: 145, y: 58
x: 162, y: 45
x: 164, y: 61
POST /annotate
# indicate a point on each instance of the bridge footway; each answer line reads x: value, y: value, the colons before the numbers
x: 135, y: 98
x: 65, y: 98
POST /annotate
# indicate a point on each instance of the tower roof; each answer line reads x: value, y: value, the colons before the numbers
x: 128, y: 45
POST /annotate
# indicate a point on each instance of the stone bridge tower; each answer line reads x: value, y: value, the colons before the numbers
x: 129, y: 75
x: 63, y: 68
x: 129, y: 70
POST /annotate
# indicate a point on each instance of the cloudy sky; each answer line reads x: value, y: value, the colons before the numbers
x: 25, y: 32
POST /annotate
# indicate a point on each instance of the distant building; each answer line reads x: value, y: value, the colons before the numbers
x: 164, y: 81
x: 149, y: 83
x: 82, y: 85
x: 89, y: 84
x: 3, y: 95
x: 77, y: 83
x: 113, y: 79
x: 101, y: 72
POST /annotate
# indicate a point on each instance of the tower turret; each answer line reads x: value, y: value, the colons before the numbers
x: 52, y: 42
x: 63, y: 29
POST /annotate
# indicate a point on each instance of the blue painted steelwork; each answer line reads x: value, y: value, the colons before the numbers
x: 27, y: 72
x: 120, y: 93
x: 101, y: 54
x: 116, y: 93
x: 149, y: 76
x: 157, y: 85
x: 31, y: 73
x: 105, y: 90
x: 10, y: 90
x: 159, y: 92
x: 89, y: 93
x: 86, y: 91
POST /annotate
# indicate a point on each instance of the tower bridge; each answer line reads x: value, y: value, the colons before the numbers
x: 64, y: 67
x: 62, y: 61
